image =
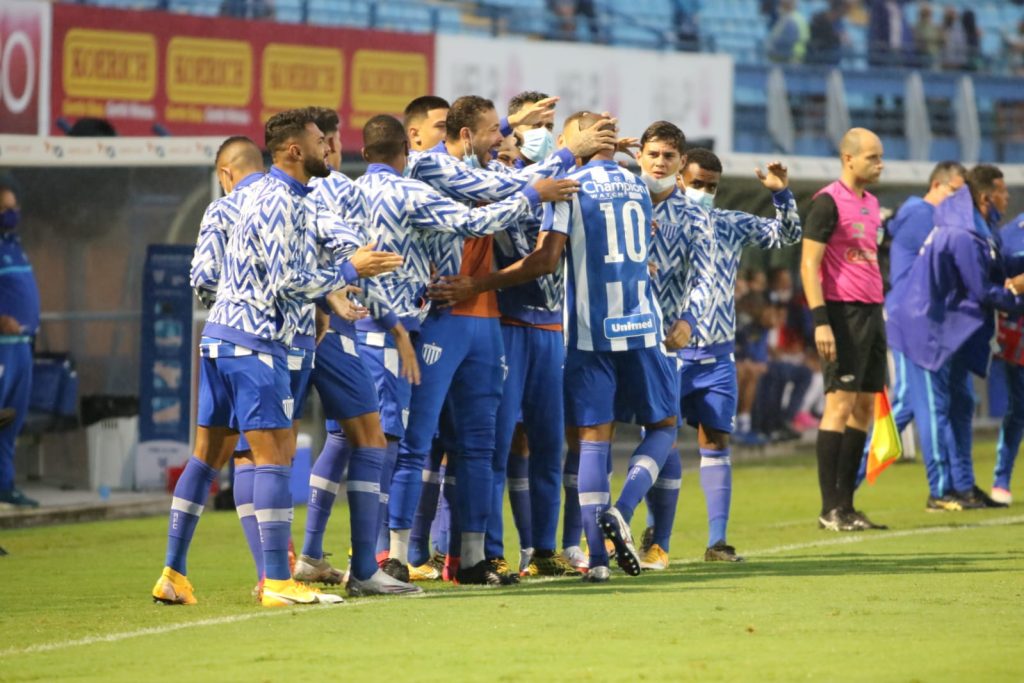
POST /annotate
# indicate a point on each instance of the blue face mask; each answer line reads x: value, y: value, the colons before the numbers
x: 469, y: 157
x: 407, y: 171
x: 704, y: 199
x: 9, y: 219
x: 538, y: 143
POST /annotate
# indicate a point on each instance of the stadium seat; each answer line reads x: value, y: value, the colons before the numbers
x: 353, y: 13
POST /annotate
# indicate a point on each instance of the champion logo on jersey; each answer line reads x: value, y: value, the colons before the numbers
x: 629, y: 326
x: 431, y: 353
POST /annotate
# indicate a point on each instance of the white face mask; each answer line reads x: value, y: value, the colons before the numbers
x: 469, y: 157
x: 658, y: 185
x: 538, y: 143
x: 704, y: 199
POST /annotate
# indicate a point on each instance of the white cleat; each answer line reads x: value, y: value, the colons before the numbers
x: 599, y: 574
x: 1000, y: 495
x: 379, y: 584
x: 575, y: 556
x: 617, y: 531
x: 309, y: 570
x: 525, y: 558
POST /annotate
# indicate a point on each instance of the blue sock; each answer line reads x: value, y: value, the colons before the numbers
x: 382, y: 541
x: 242, y: 490
x: 572, y: 522
x: 448, y: 516
x: 273, y: 502
x: 644, y: 466
x: 189, y: 499
x: 663, y: 498
x: 595, y: 494
x: 324, y: 482
x: 442, y: 517
x: 716, y: 480
x: 426, y: 511
x: 364, y: 502
x: 519, y: 496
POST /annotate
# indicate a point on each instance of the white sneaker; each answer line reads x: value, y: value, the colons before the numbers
x: 1002, y: 495
x: 597, y: 575
x: 525, y: 558
x: 575, y: 556
x: 309, y: 570
x: 379, y: 584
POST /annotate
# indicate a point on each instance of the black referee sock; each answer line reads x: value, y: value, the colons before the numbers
x: 829, y: 444
x: 850, y: 454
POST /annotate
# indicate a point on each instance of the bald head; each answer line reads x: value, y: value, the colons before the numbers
x: 860, y: 151
x: 237, y: 157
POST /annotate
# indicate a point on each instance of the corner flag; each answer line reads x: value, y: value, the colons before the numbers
x: 885, y: 446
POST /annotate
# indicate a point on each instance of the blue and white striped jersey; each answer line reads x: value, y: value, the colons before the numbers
x: 609, y: 299
x: 408, y: 217
x: 266, y: 278
x: 684, y: 252
x: 734, y: 231
x: 218, y: 220
x: 454, y: 178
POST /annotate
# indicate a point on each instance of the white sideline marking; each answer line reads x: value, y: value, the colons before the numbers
x: 851, y: 538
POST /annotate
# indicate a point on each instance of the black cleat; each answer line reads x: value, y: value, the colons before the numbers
x: 720, y: 552
x: 647, y: 540
x: 396, y: 569
x: 617, y: 531
x: 861, y: 521
x: 987, y: 500
x: 969, y: 501
x: 482, y: 574
x: 550, y: 563
x: 836, y: 520
x: 501, y: 568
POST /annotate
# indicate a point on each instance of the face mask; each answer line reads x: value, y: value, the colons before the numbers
x: 407, y: 171
x: 703, y: 199
x: 9, y: 219
x: 470, y: 158
x: 538, y: 143
x: 658, y: 185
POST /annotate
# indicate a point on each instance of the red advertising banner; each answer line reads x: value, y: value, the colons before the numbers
x: 24, y: 67
x: 146, y: 71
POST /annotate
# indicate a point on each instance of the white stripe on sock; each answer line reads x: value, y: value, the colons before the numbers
x: 518, y: 484
x: 430, y: 477
x: 449, y: 481
x: 324, y: 484
x: 384, y: 497
x: 668, y: 483
x: 186, y: 506
x: 715, y: 462
x: 571, y: 481
x: 363, y: 487
x: 245, y: 510
x: 647, y: 463
x: 595, y: 498
x: 274, y: 515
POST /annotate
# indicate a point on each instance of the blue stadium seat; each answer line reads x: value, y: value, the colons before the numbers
x: 127, y: 4
x: 351, y: 13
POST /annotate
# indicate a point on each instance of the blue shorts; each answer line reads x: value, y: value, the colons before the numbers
x: 603, y: 386
x: 708, y: 393
x: 243, y: 392
x: 300, y: 367
x: 342, y: 380
x: 377, y: 349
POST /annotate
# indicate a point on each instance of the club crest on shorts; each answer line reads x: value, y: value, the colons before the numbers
x: 431, y: 353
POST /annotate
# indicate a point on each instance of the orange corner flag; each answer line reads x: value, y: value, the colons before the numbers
x: 886, y: 445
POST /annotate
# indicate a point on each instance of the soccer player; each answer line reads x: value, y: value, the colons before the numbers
x: 347, y: 392
x: 614, y: 357
x: 425, y: 122
x: 1012, y: 353
x: 19, y: 322
x: 244, y: 382
x: 461, y: 347
x: 839, y: 269
x: 708, y: 389
x: 941, y: 318
x: 416, y: 221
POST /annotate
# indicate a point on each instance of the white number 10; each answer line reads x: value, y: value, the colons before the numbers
x: 633, y: 227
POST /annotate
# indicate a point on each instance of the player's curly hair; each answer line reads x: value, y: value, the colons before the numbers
x: 326, y: 119
x: 465, y: 112
x: 286, y: 126
x: 383, y: 138
x: 523, y: 99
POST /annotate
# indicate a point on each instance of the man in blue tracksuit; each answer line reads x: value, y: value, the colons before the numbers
x: 940, y: 316
x: 19, y: 322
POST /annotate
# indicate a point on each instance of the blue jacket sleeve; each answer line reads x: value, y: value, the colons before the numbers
x: 970, y: 258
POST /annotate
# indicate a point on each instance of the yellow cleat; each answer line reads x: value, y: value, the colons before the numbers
x: 654, y: 558
x: 288, y: 592
x: 531, y: 570
x: 424, y: 572
x: 173, y: 588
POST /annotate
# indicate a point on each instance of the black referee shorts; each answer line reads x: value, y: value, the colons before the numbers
x: 861, y: 362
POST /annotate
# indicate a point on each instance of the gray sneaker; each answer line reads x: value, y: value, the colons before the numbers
x: 308, y: 570
x: 617, y: 531
x: 379, y: 584
x: 599, y: 574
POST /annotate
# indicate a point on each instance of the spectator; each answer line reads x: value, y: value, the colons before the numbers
x: 972, y: 38
x: 927, y: 37
x: 770, y: 12
x: 755, y: 318
x: 1013, y: 50
x: 684, y: 18
x: 828, y: 37
x: 954, y: 41
x: 566, y: 14
x: 247, y: 9
x: 888, y: 33
x: 787, y: 42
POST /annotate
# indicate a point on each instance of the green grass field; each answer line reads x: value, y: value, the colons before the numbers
x: 940, y: 597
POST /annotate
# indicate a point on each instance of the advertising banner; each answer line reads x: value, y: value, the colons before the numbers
x: 151, y: 73
x: 24, y: 67
x: 694, y: 91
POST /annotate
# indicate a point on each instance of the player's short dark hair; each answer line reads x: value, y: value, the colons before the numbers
x: 419, y: 107
x: 253, y: 153
x: 383, y: 138
x: 982, y: 179
x: 523, y: 99
x: 945, y: 171
x: 327, y: 119
x: 666, y: 131
x: 464, y: 113
x: 704, y: 158
x: 285, y: 126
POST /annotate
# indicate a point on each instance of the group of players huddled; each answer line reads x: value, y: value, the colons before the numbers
x: 476, y: 312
